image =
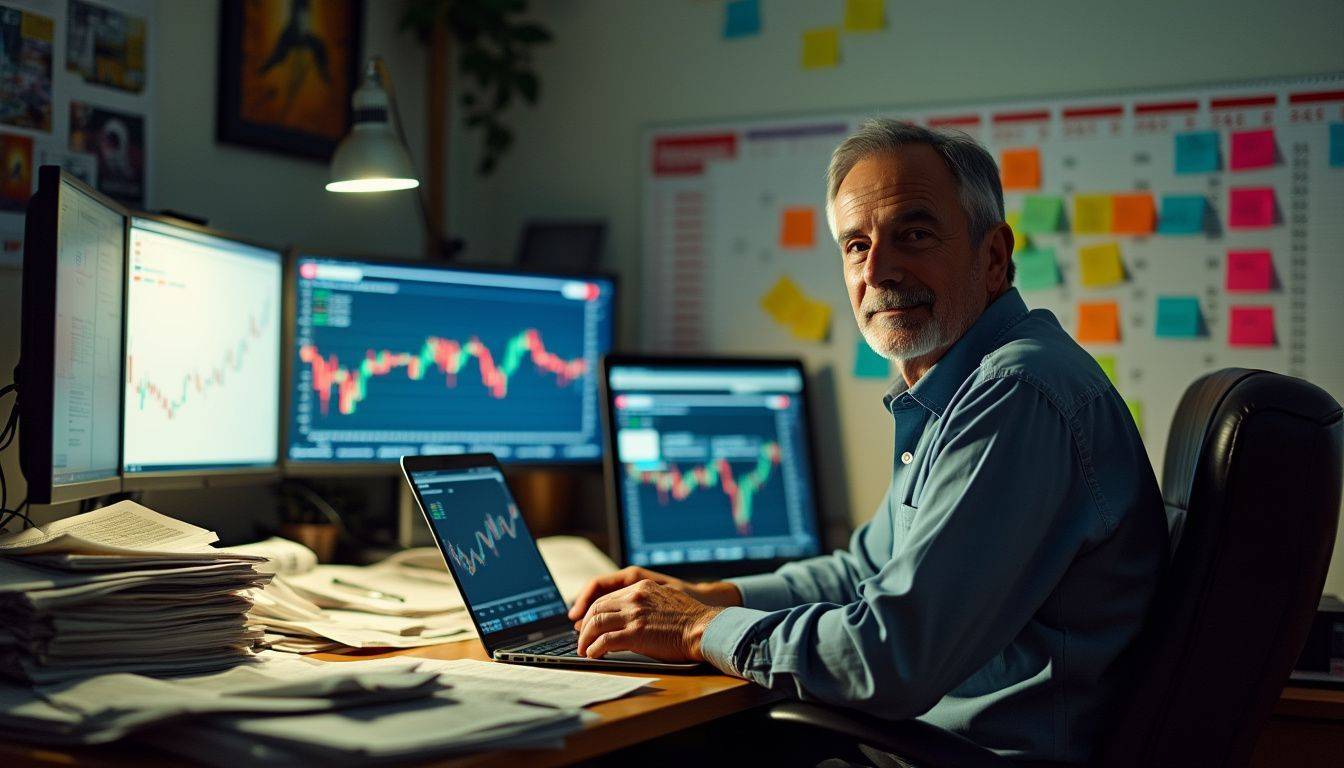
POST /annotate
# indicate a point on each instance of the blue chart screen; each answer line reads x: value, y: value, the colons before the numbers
x: 503, y: 578
x: 392, y: 360
x: 713, y: 464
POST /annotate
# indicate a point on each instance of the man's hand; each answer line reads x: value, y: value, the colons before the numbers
x: 657, y: 620
x: 715, y: 593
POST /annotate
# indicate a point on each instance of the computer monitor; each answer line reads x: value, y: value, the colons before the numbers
x: 202, y: 397
x: 393, y: 359
x: 69, y: 378
x: 709, y: 463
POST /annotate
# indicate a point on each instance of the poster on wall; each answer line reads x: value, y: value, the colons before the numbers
x: 25, y: 68
x: 117, y: 141
x: 105, y: 46
x: 16, y: 154
x: 287, y: 71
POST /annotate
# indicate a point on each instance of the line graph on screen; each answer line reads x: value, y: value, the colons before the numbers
x: 675, y: 485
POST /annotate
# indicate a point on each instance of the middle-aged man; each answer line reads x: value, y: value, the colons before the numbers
x: 1020, y: 541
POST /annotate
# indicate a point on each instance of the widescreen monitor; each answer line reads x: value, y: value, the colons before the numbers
x: 71, y: 353
x: 710, y: 463
x: 202, y: 396
x: 393, y: 359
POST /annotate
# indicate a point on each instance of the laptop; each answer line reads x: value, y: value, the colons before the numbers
x: 709, y: 463
x: 508, y: 590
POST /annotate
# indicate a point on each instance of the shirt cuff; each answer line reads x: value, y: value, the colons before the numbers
x: 764, y: 592
x: 725, y: 634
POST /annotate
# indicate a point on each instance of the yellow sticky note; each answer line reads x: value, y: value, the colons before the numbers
x: 821, y: 48
x: 1014, y: 220
x: 783, y: 301
x: 1101, y: 265
x: 813, y: 322
x: 1091, y: 214
x: 864, y: 16
x: 798, y: 228
x: 1108, y: 367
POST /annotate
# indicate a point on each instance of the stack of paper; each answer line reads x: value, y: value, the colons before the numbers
x: 121, y: 589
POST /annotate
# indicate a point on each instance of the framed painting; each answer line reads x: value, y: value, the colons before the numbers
x: 287, y: 69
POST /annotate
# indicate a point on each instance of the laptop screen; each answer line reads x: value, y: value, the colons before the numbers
x: 504, y: 581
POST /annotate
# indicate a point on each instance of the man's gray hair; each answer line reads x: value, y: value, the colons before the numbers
x: 978, y: 188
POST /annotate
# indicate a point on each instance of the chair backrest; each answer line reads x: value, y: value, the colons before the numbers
x: 1252, y: 488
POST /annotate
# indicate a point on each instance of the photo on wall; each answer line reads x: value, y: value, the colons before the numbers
x: 105, y: 46
x: 287, y: 69
x: 117, y: 140
x: 25, y: 68
x: 17, y: 184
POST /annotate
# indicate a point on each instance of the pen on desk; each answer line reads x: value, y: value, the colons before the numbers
x: 376, y: 593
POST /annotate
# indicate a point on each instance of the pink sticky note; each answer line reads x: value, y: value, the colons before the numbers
x: 1251, y: 207
x: 1252, y: 149
x: 1250, y: 271
x: 1251, y: 327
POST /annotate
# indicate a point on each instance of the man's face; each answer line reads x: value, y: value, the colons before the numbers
x: 916, y: 281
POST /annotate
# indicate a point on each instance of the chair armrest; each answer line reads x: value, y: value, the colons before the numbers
x: 925, y: 745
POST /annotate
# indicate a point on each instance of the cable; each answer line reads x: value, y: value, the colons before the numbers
x: 17, y: 512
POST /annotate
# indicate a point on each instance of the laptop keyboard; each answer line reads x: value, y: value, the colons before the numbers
x: 560, y: 645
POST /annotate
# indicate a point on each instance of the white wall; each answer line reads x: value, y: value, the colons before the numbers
x: 617, y: 66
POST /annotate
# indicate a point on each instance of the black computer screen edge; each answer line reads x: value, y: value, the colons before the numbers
x: 392, y: 468
x: 616, y: 524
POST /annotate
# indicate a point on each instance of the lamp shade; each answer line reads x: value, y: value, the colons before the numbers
x: 372, y: 157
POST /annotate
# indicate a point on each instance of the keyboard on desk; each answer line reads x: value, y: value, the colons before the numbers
x: 560, y: 645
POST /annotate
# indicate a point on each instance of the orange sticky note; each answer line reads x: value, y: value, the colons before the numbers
x: 1098, y: 322
x: 1021, y: 168
x: 1132, y: 214
x: 1091, y: 214
x: 798, y: 228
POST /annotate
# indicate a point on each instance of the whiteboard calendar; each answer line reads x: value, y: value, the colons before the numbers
x: 1171, y: 232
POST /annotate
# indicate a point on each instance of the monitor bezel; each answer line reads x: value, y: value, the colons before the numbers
x: 205, y: 476
x: 37, y: 347
x: 616, y: 511
x: 391, y: 467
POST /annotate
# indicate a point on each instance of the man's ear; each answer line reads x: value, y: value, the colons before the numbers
x: 997, y: 250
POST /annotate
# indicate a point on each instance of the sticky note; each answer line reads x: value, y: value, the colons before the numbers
x: 813, y: 322
x: 798, y: 228
x: 1098, y: 322
x: 821, y: 48
x: 1136, y: 413
x: 1108, y: 367
x: 1197, y: 152
x: 1020, y: 168
x: 1091, y: 214
x: 1250, y: 271
x: 868, y: 364
x: 1337, y: 145
x: 1100, y: 265
x: 1178, y: 317
x: 783, y: 301
x: 1252, y: 149
x: 1251, y: 327
x: 1040, y: 214
x: 1251, y: 207
x: 864, y: 15
x: 1132, y: 213
x: 1020, y: 239
x: 1182, y: 214
x: 741, y: 18
x: 1036, y: 269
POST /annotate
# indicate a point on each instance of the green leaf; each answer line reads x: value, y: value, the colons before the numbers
x: 531, y: 33
x: 528, y: 85
x: 468, y: 99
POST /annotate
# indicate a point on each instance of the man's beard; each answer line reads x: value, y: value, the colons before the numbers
x: 901, y: 337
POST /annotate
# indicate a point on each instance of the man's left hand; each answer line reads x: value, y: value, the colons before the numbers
x: 646, y: 617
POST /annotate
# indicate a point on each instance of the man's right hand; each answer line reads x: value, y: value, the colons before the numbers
x: 719, y: 593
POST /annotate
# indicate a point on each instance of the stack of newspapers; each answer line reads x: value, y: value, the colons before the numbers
x: 122, y: 589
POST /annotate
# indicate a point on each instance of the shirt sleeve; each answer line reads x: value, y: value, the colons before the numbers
x: 994, y: 535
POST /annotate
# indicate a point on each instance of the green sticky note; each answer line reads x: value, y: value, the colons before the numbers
x: 1036, y: 269
x: 1178, y: 317
x: 1197, y: 152
x: 1040, y: 214
x: 1182, y: 214
x: 1136, y: 413
x: 868, y: 364
x: 1108, y: 367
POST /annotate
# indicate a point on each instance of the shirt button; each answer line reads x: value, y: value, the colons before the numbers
x: 907, y: 457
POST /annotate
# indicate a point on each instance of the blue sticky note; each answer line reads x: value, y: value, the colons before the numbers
x: 741, y: 18
x: 868, y: 364
x: 1337, y: 145
x: 1178, y: 317
x: 1197, y: 152
x: 1182, y: 214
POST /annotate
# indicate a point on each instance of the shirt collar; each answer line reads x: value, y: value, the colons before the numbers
x: 935, y: 389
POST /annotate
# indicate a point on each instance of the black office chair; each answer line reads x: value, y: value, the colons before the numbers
x: 1252, y: 484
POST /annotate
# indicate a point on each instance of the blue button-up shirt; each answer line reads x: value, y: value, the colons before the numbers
x: 1013, y: 558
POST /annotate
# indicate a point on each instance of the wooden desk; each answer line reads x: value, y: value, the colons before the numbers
x: 1306, y: 730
